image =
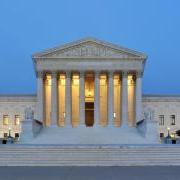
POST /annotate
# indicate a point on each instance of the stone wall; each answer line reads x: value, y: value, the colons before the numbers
x: 166, y: 106
x: 22, y: 105
x: 25, y: 107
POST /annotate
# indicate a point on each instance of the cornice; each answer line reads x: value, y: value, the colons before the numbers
x: 88, y: 58
x: 161, y: 98
x: 18, y: 97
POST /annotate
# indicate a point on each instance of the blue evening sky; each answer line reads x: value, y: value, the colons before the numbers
x: 149, y: 26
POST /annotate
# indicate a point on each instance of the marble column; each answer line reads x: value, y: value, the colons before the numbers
x: 54, y: 98
x: 110, y: 98
x: 138, y: 96
x: 96, y: 98
x: 68, y: 100
x: 124, y: 97
x: 40, y: 96
x: 81, y: 98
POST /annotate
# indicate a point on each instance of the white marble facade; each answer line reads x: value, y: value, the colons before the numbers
x: 61, y: 102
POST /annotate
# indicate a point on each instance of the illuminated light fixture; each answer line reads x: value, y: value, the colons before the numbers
x: 114, y: 115
x: 89, y: 93
x: 168, y: 128
x: 172, y: 135
x: 64, y: 114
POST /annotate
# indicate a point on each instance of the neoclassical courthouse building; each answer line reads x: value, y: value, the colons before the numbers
x: 89, y: 91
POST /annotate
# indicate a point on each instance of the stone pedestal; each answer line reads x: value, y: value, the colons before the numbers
x: 138, y: 96
x: 26, y: 131
x: 151, y: 131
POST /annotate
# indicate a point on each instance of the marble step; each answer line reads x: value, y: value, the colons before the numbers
x: 91, y: 163
x: 93, y: 156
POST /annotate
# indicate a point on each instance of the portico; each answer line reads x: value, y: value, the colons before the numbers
x: 89, y: 83
x: 102, y: 98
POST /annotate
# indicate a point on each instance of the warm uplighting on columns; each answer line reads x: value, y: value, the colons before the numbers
x: 62, y: 79
x: 103, y: 100
x: 47, y: 99
x: 75, y: 79
x: 117, y: 100
x: 131, y: 100
x: 131, y: 79
x: 75, y: 99
x: 48, y: 78
x: 61, y: 99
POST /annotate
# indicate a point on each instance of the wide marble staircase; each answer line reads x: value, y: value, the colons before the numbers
x: 89, y: 155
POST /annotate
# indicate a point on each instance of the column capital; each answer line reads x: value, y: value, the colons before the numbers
x: 110, y: 74
x: 54, y: 74
x: 97, y: 73
x: 81, y: 74
x: 124, y: 73
x: 68, y: 74
x: 139, y: 74
x: 40, y: 74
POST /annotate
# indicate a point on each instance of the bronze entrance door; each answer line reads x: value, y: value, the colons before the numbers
x: 89, y: 113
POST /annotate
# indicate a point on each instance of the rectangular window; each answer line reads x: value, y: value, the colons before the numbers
x: 161, y: 120
x: 5, y: 119
x: 17, y: 119
x: 173, y: 119
x: 5, y: 135
x: 161, y: 135
x: 16, y: 135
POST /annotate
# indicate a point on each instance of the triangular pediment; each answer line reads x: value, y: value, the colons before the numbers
x: 89, y: 48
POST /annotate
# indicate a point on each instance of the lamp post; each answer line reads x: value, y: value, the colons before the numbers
x: 9, y: 136
x: 168, y: 139
x: 168, y: 132
x: 9, y: 132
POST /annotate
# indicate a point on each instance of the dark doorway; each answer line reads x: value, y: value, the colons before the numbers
x: 89, y: 113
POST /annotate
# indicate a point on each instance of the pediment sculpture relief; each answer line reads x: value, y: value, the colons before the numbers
x: 89, y: 50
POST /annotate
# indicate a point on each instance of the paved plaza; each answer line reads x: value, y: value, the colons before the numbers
x: 90, y: 173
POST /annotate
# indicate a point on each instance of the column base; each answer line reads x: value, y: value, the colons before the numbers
x: 81, y: 126
x: 111, y: 126
x: 97, y: 126
x: 124, y: 126
x: 53, y: 125
x: 68, y: 126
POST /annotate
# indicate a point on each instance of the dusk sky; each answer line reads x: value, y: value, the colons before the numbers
x: 148, y: 26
